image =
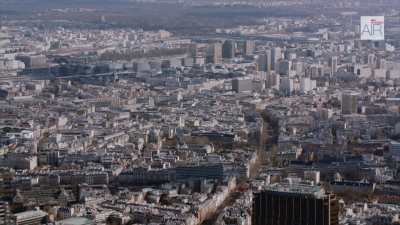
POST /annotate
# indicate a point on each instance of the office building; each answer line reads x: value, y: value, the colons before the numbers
x: 395, y: 150
x: 382, y: 63
x: 313, y: 175
x: 264, y: 61
x: 228, y: 49
x: 214, y: 53
x: 261, y: 63
x: 276, y: 55
x: 242, y: 85
x: 315, y: 71
x: 286, y: 204
x: 199, y: 171
x: 286, y: 86
x: 245, y: 47
x: 272, y: 80
x: 283, y: 67
x: 143, y: 176
x: 249, y: 47
x: 33, y: 217
x: 19, y: 161
x: 306, y: 84
x: 349, y: 102
x: 33, y: 61
x: 333, y: 65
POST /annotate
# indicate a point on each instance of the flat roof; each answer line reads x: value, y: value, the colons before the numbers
x: 314, y: 190
x: 30, y: 214
x: 75, y: 221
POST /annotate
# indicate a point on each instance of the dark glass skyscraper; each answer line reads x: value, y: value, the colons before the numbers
x: 294, y: 205
x: 228, y: 49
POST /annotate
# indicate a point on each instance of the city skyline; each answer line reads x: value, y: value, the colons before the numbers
x: 199, y: 112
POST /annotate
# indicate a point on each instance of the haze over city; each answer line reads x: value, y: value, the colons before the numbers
x: 199, y: 112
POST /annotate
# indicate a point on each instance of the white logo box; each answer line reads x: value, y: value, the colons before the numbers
x: 373, y: 28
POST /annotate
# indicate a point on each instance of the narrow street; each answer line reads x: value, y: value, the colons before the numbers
x: 264, y: 154
x: 228, y: 202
